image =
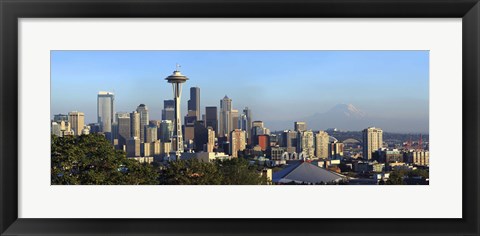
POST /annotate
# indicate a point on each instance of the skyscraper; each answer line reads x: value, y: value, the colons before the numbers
x: 168, y: 112
x: 258, y: 123
x: 165, y: 132
x: 201, y: 136
x: 225, y: 117
x: 211, y: 118
x: 105, y: 110
x: 248, y: 114
x: 242, y: 123
x: 235, y: 118
x: 121, y: 115
x: 300, y: 126
x: 189, y: 124
x: 150, y: 133
x: 321, y: 144
x: 123, y: 126
x: 335, y: 150
x: 257, y: 129
x: 372, y: 141
x: 135, y: 124
x: 133, y: 147
x: 237, y: 142
x: 77, y: 121
x: 177, y: 79
x: 60, y: 117
x: 289, y: 138
x: 305, y: 143
x: 143, y: 111
x: 194, y: 102
x: 264, y: 141
x: 211, y: 140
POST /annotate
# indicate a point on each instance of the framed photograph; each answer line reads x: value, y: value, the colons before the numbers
x: 226, y: 117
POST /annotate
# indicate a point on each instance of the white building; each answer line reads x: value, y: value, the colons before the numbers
x: 372, y: 141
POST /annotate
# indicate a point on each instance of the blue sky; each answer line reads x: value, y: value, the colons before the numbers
x: 276, y: 85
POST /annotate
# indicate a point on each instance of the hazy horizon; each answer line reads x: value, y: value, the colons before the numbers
x: 389, y: 89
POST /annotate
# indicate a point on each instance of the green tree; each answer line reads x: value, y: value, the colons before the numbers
x: 418, y: 173
x: 396, y: 178
x: 190, y: 172
x: 238, y: 171
x: 91, y: 160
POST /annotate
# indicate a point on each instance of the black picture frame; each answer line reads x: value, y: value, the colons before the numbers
x: 12, y: 10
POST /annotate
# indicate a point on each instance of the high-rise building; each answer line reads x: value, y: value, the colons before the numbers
x: 264, y: 141
x: 145, y: 149
x: 335, y: 150
x: 60, y: 117
x: 133, y: 147
x: 105, y: 110
x: 372, y: 141
x: 194, y: 102
x: 321, y: 144
x: 257, y: 129
x: 166, y: 147
x: 150, y: 133
x: 156, y: 149
x: 235, y: 118
x: 248, y: 123
x: 225, y: 122
x: 165, y: 132
x: 77, y: 121
x: 121, y: 115
x: 237, y: 142
x: 258, y: 123
x: 154, y: 123
x: 56, y: 129
x: 135, y: 124
x: 289, y: 140
x: 143, y: 111
x: 211, y: 140
x: 94, y: 128
x: 168, y: 112
x: 266, y: 131
x: 242, y: 123
x: 124, y: 131
x: 211, y: 118
x: 300, y: 126
x: 305, y: 143
x: 201, y: 136
x: 177, y: 79
x: 189, y: 125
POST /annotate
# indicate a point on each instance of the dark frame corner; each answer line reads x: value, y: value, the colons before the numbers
x: 11, y: 10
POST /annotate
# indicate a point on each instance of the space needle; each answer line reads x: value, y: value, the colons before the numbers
x: 177, y: 79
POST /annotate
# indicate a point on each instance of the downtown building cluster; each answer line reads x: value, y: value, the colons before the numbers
x: 224, y: 132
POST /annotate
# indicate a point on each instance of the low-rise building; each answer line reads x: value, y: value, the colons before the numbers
x: 420, y: 158
x: 387, y: 155
x: 143, y: 159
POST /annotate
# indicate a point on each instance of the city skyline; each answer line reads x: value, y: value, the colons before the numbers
x: 405, y: 97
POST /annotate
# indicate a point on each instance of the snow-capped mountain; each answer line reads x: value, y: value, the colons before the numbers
x: 347, y: 110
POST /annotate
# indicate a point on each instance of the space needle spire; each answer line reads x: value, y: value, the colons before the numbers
x: 177, y: 79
